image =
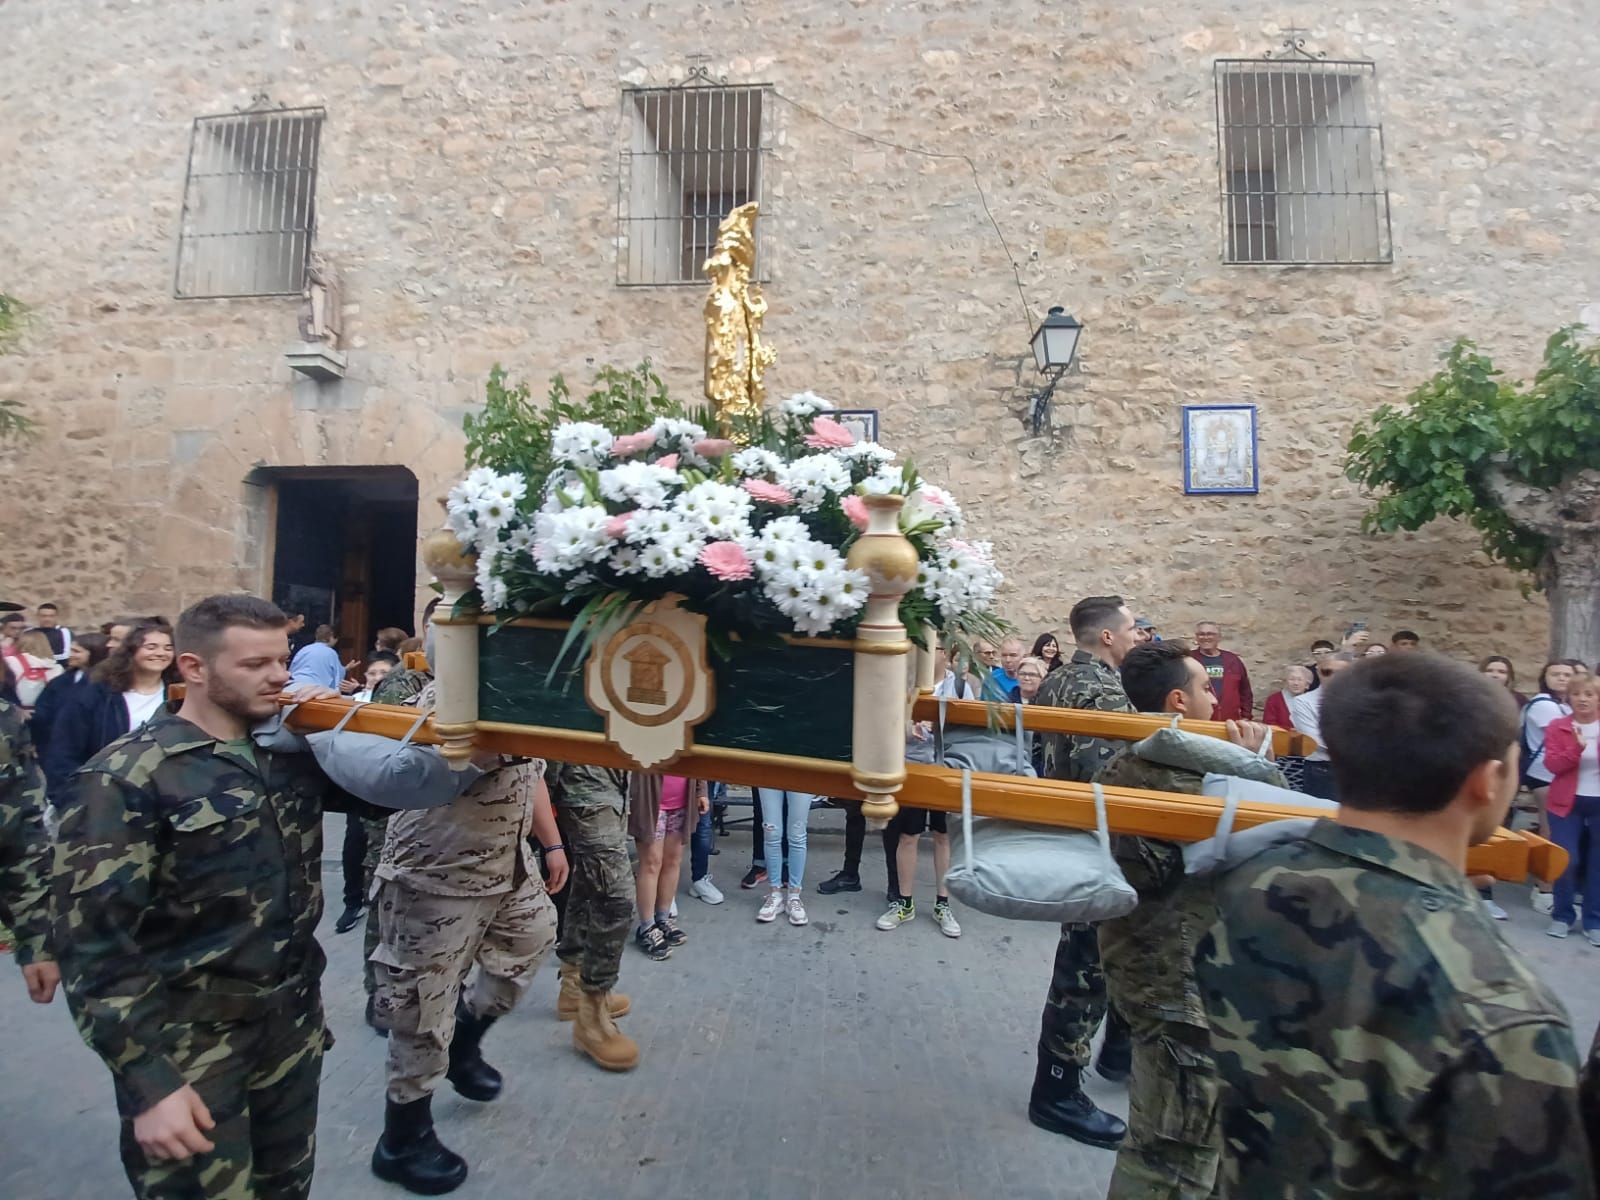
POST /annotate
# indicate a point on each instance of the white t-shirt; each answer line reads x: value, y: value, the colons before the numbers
x: 948, y: 689
x: 1589, y: 760
x: 1541, y: 710
x: 141, y: 707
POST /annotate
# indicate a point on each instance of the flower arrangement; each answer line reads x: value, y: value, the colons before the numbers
x: 752, y: 531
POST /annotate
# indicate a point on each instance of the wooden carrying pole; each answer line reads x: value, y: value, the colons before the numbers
x: 1173, y: 816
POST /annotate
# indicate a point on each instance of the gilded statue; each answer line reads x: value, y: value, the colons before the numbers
x: 736, y: 359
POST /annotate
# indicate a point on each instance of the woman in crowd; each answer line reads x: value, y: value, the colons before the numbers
x: 1572, y: 806
x: 33, y: 666
x: 1376, y: 650
x: 783, y: 816
x: 124, y: 692
x: 88, y: 652
x: 662, y: 813
x: 1547, y: 704
x: 1498, y: 667
x: 1048, y: 650
x: 1030, y: 677
x: 1296, y: 682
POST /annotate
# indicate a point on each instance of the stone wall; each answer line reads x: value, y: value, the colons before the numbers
x: 468, y: 199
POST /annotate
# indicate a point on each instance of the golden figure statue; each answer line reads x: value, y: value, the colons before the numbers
x: 736, y: 359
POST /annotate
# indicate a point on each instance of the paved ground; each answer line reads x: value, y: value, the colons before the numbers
x: 779, y: 1063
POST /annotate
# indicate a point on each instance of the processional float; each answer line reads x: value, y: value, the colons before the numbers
x: 815, y: 714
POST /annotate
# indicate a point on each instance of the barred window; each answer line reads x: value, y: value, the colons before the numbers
x: 693, y: 155
x: 249, y: 204
x: 1300, y: 150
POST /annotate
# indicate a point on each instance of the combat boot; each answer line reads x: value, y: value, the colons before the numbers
x: 1115, y: 1060
x: 597, y: 1035
x: 1059, y: 1105
x: 468, y: 1073
x: 410, y: 1153
x: 567, y: 1001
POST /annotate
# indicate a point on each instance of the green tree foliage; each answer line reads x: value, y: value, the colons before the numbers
x: 14, y: 422
x: 1467, y: 430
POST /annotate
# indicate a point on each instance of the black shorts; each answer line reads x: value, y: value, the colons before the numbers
x: 919, y: 820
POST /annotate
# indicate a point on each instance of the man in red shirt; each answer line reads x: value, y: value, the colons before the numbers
x: 1229, y: 679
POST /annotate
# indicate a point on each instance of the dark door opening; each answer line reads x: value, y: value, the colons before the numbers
x: 345, y: 550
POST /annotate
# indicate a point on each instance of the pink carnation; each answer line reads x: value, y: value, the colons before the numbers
x: 726, y: 560
x: 933, y: 497
x: 856, y: 509
x: 617, y: 526
x: 632, y: 443
x: 668, y: 462
x: 712, y: 447
x: 828, y: 434
x: 770, y: 492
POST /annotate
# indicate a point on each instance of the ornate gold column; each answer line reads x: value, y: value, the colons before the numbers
x: 878, y: 760
x: 455, y: 648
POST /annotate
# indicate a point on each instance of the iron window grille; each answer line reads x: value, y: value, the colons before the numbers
x: 1300, y: 161
x: 249, y: 204
x: 694, y: 153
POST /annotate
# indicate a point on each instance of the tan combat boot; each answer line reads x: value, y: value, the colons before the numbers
x: 597, y: 1035
x: 567, y: 1002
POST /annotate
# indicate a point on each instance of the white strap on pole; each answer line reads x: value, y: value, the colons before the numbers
x: 966, y: 812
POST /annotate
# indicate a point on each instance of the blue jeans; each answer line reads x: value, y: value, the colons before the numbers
x: 1567, y: 832
x: 784, y: 814
x: 700, y: 847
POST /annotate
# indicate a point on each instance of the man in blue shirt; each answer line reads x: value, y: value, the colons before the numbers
x: 318, y: 662
x: 1003, y: 678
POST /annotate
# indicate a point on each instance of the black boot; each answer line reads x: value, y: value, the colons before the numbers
x: 348, y: 918
x: 1115, y: 1059
x: 1059, y: 1105
x: 468, y: 1073
x: 409, y: 1152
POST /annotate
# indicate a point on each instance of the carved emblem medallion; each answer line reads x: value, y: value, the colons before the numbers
x: 652, y: 681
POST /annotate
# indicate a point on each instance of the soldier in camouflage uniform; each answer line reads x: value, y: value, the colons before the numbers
x: 457, y: 886
x: 25, y: 855
x: 398, y: 687
x: 188, y: 885
x: 1374, y: 1034
x: 589, y: 805
x: 1103, y: 629
x: 1171, y: 1149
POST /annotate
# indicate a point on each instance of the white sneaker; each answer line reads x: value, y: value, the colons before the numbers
x: 797, y: 911
x: 1495, y: 911
x: 770, y: 907
x: 704, y: 889
x: 948, y: 925
x: 1559, y: 929
x: 672, y: 909
x: 1544, y: 902
x: 900, y: 911
x: 1594, y: 937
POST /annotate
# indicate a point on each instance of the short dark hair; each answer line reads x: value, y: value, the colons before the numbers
x: 45, y: 605
x: 1323, y: 642
x: 13, y: 618
x: 1404, y: 731
x: 325, y: 633
x: 202, y: 625
x: 378, y: 656
x: 1092, y: 614
x: 1153, y: 670
x: 1405, y: 635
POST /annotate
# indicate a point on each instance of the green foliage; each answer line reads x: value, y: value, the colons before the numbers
x: 14, y: 421
x: 512, y: 433
x: 1434, y: 457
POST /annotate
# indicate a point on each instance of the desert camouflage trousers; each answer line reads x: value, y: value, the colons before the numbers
x: 1173, y: 1146
x: 427, y: 945
x: 259, y: 1079
x: 600, y: 893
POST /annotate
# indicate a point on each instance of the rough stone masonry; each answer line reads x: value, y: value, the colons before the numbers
x: 468, y: 198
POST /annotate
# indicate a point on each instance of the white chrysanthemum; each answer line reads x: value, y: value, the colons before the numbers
x: 715, y: 510
x: 802, y: 406
x: 654, y: 524
x: 562, y: 490
x: 519, y: 540
x: 887, y: 482
x: 581, y: 443
x: 494, y: 513
x: 643, y: 485
x: 656, y: 561
x: 812, y: 479
x: 510, y: 488
x: 625, y: 560
x: 479, y: 480
x: 963, y: 577
x: 756, y: 462
x: 570, y: 539
x: 673, y: 433
x: 865, y: 452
